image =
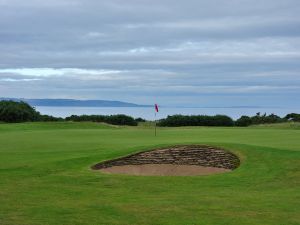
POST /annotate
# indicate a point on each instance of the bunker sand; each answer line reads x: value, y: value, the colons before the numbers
x: 163, y: 170
x: 180, y: 160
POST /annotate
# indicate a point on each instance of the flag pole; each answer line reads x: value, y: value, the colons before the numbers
x: 155, y: 121
x: 155, y: 124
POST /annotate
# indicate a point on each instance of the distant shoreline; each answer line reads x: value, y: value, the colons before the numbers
x: 75, y: 103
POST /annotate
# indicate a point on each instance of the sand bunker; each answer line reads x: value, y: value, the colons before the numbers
x: 187, y: 160
x: 164, y: 170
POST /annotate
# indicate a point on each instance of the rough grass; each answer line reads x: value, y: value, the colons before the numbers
x: 287, y: 125
x: 45, y: 177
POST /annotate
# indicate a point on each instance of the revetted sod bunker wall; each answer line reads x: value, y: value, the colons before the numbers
x: 178, y: 155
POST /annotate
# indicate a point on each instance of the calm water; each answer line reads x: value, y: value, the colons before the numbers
x: 148, y: 113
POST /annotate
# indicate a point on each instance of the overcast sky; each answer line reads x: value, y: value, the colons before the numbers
x: 184, y: 53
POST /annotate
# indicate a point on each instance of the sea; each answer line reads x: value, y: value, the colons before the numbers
x: 148, y: 113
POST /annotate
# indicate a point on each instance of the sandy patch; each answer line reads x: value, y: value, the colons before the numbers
x: 163, y: 170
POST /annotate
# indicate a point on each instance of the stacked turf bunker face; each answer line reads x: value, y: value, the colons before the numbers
x: 198, y: 155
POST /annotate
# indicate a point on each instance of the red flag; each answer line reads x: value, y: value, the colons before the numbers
x: 156, y: 107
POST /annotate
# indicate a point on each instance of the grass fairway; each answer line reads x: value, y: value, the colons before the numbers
x: 45, y: 177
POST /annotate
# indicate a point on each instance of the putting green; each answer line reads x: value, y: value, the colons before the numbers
x: 45, y: 176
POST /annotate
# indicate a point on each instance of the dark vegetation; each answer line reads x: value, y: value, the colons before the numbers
x: 112, y: 119
x: 293, y: 117
x: 140, y: 120
x: 47, y: 118
x: 222, y: 120
x: 266, y: 119
x: 15, y: 112
x: 259, y: 119
x: 200, y: 120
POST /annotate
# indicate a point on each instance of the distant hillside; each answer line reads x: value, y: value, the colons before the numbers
x: 75, y: 103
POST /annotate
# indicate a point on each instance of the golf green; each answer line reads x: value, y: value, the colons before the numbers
x: 45, y: 176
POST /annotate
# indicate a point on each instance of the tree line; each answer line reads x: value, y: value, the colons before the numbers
x: 119, y: 119
x: 14, y: 112
x: 196, y: 120
x: 226, y: 121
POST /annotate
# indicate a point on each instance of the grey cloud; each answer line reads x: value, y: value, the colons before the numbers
x: 140, y: 49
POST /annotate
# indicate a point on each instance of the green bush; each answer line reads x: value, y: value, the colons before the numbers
x: 196, y: 120
x: 15, y: 112
x: 259, y: 119
x: 140, y: 119
x: 293, y: 117
x: 112, y: 119
x: 121, y: 120
x: 244, y: 121
x: 46, y: 118
x: 264, y: 118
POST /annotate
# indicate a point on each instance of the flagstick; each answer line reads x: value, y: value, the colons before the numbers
x: 155, y: 125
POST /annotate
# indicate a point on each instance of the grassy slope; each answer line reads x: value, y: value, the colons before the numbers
x: 45, y: 177
x: 287, y: 125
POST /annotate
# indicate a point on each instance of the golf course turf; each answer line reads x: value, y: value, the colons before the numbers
x: 46, y: 176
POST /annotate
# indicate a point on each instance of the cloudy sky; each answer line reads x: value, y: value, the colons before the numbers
x: 183, y: 53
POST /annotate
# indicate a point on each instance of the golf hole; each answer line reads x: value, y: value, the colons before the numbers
x: 183, y: 160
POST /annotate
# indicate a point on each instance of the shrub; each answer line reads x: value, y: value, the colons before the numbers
x: 293, y: 117
x: 244, y: 121
x: 259, y: 119
x: 46, y: 118
x: 196, y: 120
x: 112, y: 119
x: 262, y: 119
x: 121, y: 120
x: 140, y: 119
x: 15, y: 112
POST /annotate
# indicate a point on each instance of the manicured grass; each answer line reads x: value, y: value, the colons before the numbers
x: 45, y: 177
